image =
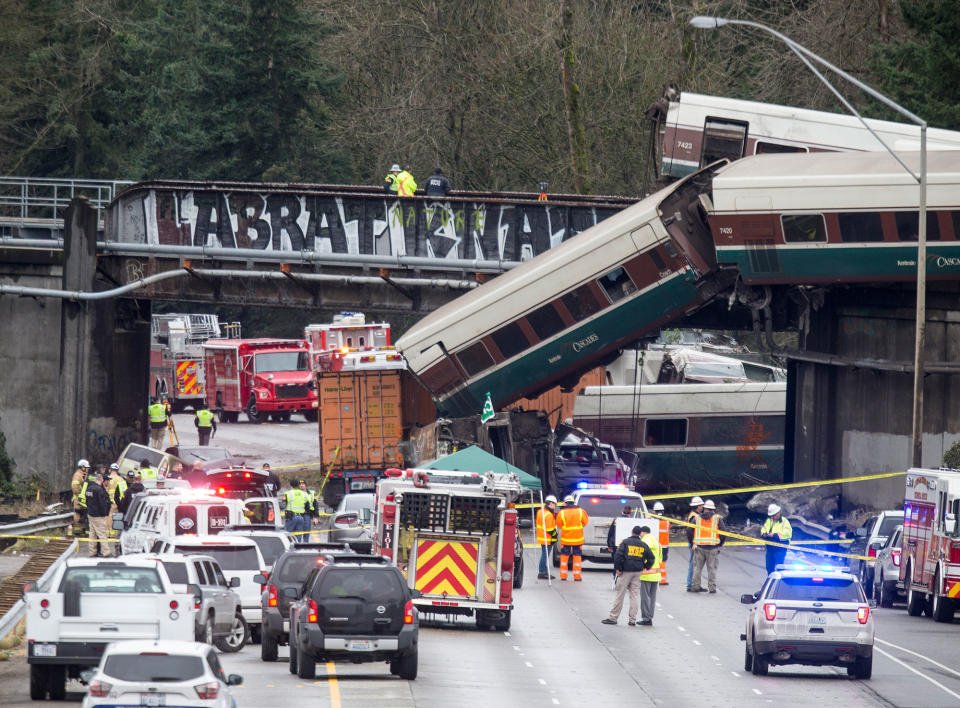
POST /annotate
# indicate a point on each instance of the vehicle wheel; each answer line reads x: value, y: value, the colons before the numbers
x: 255, y: 633
x: 915, y: 600
x: 306, y: 665
x: 57, y: 682
x: 888, y: 591
x: 862, y: 668
x: 236, y: 638
x: 311, y: 416
x: 941, y: 607
x: 761, y: 664
x: 518, y: 574
x: 293, y: 656
x: 268, y: 647
x: 253, y: 413
x: 38, y: 682
x: 927, y: 605
x: 503, y: 625
x: 205, y: 635
x: 481, y: 619
x: 747, y: 659
x: 406, y: 666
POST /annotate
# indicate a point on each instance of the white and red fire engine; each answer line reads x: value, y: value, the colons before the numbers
x: 930, y: 563
x: 454, y: 536
x: 176, y: 356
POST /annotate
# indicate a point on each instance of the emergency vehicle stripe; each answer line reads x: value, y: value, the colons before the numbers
x: 490, y: 582
x: 187, y: 382
x: 447, y: 567
x: 954, y: 590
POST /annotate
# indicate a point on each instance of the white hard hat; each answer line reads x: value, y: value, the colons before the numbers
x: 115, y: 466
x: 83, y: 462
x: 568, y: 499
x: 773, y: 509
x: 550, y: 498
x: 708, y: 504
x: 658, y: 506
x: 395, y: 168
x: 696, y: 501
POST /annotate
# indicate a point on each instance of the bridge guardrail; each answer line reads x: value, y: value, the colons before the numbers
x: 31, y: 200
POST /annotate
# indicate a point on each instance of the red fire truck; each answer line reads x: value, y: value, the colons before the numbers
x: 930, y: 565
x: 261, y: 377
x: 454, y: 536
x: 176, y: 356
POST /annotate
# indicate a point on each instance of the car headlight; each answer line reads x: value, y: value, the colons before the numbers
x: 263, y: 394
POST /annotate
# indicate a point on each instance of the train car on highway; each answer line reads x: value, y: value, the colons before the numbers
x: 551, y: 318
x: 835, y: 218
x: 691, y: 435
x: 698, y: 130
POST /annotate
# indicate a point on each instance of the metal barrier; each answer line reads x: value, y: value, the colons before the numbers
x: 35, y: 201
x: 32, y: 527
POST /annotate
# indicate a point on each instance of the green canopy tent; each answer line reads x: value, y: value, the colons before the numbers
x: 475, y: 459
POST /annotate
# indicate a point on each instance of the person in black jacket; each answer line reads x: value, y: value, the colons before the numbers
x: 437, y: 184
x: 612, y: 534
x: 98, y: 512
x: 133, y: 487
x: 633, y: 557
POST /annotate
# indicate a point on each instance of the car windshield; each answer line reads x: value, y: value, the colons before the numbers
x: 270, y: 547
x: 817, y: 588
x: 597, y: 505
x: 151, y: 666
x: 139, y: 454
x: 113, y: 577
x: 367, y: 584
x: 352, y: 502
x: 888, y: 524
x: 281, y: 361
x: 177, y: 572
x: 295, y: 569
x: 229, y: 557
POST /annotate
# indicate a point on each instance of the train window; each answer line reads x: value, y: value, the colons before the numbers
x: 545, y: 321
x: 803, y: 228
x: 860, y: 227
x: 955, y: 218
x: 723, y: 138
x: 666, y: 432
x: 767, y: 148
x: 510, y: 340
x: 908, y: 225
x: 657, y: 260
x: 475, y: 359
x: 617, y: 284
x: 581, y: 303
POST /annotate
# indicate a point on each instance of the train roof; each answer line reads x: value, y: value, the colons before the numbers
x: 680, y: 399
x: 830, y: 180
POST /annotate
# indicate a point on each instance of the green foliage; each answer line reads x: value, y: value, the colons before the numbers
x: 951, y: 458
x: 25, y: 486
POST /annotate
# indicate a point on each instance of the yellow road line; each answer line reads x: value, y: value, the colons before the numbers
x: 334, y: 685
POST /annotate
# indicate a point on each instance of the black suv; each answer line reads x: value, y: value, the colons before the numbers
x: 285, y: 583
x: 357, y: 608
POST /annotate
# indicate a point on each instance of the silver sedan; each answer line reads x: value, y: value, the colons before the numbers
x: 350, y: 522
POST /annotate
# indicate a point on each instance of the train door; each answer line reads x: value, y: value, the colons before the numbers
x: 723, y: 138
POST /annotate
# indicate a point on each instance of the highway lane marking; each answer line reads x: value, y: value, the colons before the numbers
x: 757, y: 691
x: 334, y: 685
x: 529, y: 665
x: 506, y: 634
x: 556, y: 701
x: 735, y: 674
x: 696, y: 642
x: 715, y: 658
x: 542, y: 682
x: 669, y: 616
x: 918, y: 673
x: 516, y: 648
x: 681, y: 628
x: 925, y: 658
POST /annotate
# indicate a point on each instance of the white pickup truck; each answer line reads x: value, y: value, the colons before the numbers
x: 92, y: 602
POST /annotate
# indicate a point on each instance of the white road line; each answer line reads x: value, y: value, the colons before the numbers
x: 529, y: 665
x: 542, y: 682
x: 918, y: 673
x: 506, y: 634
x: 556, y: 701
x: 669, y: 616
x: 925, y: 658
x: 735, y: 674
x: 681, y: 628
x: 696, y: 642
x: 715, y: 658
x: 516, y: 648
x: 757, y: 692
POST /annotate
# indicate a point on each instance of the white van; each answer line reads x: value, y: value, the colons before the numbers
x: 182, y: 512
x: 238, y: 556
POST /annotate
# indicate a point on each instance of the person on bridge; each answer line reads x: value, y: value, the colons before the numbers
x: 400, y: 182
x: 205, y: 423
x: 777, y: 529
x: 571, y: 520
x: 546, y: 530
x: 696, y: 507
x: 294, y: 504
x: 664, y: 541
x: 98, y: 512
x: 76, y: 487
x: 158, y: 414
x: 706, y: 539
x: 437, y: 184
x: 631, y: 560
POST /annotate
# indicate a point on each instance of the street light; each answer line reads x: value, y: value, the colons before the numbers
x: 805, y: 55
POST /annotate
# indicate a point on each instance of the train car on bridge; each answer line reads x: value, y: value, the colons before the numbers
x: 835, y: 218
x: 698, y: 130
x: 551, y: 318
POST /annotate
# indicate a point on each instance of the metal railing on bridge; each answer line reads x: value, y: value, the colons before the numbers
x: 37, y: 202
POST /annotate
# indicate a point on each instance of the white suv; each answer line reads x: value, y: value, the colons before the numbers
x: 604, y: 504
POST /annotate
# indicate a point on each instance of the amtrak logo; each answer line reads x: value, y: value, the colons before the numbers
x: 581, y: 344
x: 381, y: 609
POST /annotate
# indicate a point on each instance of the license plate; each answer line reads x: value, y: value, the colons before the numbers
x: 153, y: 699
x: 816, y: 619
x: 360, y: 645
x: 44, y: 649
x: 362, y: 485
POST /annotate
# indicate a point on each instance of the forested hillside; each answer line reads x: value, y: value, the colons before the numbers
x: 501, y: 93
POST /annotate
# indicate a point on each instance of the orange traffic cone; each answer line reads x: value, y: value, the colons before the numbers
x: 663, y: 573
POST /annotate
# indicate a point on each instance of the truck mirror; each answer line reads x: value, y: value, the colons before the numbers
x: 234, y: 582
x: 87, y: 675
x: 748, y: 599
x: 234, y: 680
x: 259, y: 578
x: 876, y: 545
x: 861, y: 532
x: 414, y: 593
x: 28, y: 587
x: 950, y: 524
x: 117, y: 523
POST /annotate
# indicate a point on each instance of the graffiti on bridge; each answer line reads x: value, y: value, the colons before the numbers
x: 101, y: 447
x: 361, y: 224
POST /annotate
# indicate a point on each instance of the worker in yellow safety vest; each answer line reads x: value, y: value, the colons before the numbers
x: 696, y: 508
x: 546, y: 530
x: 650, y: 579
x: 146, y: 471
x: 205, y: 423
x: 664, y: 541
x: 157, y: 413
x: 777, y: 529
x: 78, y: 500
x: 706, y: 546
x: 294, y: 507
x: 571, y: 521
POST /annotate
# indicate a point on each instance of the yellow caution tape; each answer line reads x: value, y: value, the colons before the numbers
x: 792, y: 485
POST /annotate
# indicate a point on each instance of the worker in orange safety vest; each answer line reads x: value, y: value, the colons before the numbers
x: 706, y: 546
x: 546, y: 527
x: 571, y: 521
x: 664, y: 541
